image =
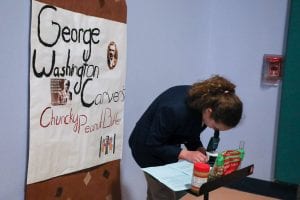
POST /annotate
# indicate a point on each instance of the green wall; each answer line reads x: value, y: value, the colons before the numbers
x: 287, y: 167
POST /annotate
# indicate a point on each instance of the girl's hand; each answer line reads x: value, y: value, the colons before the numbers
x: 192, y: 156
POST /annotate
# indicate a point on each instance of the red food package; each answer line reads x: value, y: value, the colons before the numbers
x: 232, y: 160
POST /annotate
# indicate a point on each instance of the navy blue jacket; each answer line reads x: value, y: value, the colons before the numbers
x: 166, y: 124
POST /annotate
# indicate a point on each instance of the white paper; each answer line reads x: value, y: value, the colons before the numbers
x: 176, y: 176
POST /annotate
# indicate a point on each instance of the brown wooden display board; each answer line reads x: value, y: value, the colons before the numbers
x: 115, y: 10
x: 101, y: 182
x: 97, y: 183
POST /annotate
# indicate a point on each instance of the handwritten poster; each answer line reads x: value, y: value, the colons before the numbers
x: 77, y: 91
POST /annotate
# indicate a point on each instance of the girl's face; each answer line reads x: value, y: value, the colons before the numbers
x: 211, y: 123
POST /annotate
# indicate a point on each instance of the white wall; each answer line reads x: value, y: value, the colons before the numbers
x: 177, y: 42
x: 14, y: 54
x: 169, y: 42
x: 242, y: 32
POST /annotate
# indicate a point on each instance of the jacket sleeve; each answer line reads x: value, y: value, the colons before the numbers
x: 163, y: 124
x: 194, y: 143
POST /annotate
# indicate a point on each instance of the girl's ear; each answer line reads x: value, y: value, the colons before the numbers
x: 209, y: 110
x: 207, y: 113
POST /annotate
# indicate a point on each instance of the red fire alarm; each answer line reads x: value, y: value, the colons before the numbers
x: 272, y: 69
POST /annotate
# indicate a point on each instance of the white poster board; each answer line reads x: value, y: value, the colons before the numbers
x: 77, y: 91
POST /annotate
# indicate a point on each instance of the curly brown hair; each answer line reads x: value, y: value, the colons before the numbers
x: 218, y: 94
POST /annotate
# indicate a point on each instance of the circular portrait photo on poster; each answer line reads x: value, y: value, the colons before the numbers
x: 112, y: 55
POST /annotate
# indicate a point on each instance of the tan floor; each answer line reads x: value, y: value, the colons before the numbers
x: 223, y: 193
